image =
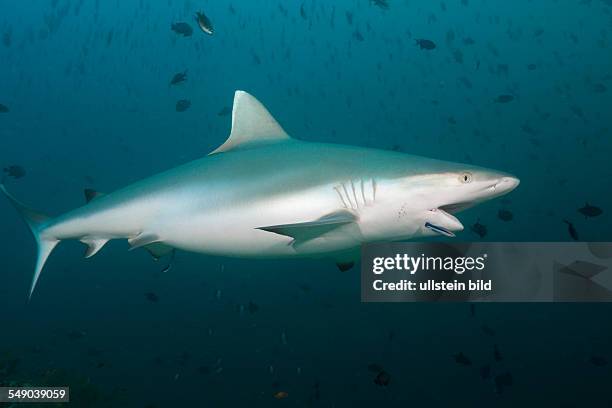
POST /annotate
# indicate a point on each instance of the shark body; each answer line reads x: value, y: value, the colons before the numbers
x: 265, y: 194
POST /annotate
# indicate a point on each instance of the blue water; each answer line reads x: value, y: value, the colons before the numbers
x: 87, y: 87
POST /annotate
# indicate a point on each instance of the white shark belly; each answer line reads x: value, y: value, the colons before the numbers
x: 232, y: 228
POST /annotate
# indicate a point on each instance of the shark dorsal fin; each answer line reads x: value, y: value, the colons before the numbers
x: 91, y: 195
x: 251, y: 123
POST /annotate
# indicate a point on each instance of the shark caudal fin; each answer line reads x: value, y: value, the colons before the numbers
x: 36, y: 222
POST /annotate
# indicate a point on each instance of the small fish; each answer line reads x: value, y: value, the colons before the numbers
x: 485, y: 372
x: 182, y: 28
x: 303, y: 12
x: 383, y: 4
x: 226, y: 110
x: 253, y: 308
x: 204, y: 23
x: 598, y: 361
x: 496, y: 353
x: 382, y: 379
x: 357, y: 35
x: 375, y: 368
x: 504, y: 98
x: 505, y: 215
x: 183, y: 105
x: 15, y: 171
x: 599, y: 88
x: 479, y: 229
x: 304, y: 287
x: 502, y: 380
x: 487, y: 330
x: 532, y: 67
x: 152, y: 297
x: 462, y: 359
x: 571, y: 230
x: 178, y: 78
x: 281, y: 395
x: 3, y: 108
x: 590, y: 210
x: 425, y: 44
x: 76, y: 334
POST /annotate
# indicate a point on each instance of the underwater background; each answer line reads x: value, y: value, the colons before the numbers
x: 87, y: 101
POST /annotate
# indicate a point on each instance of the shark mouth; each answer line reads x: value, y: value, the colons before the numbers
x: 457, y: 207
x: 439, y: 229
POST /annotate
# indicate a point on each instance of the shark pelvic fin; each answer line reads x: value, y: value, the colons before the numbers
x: 93, y: 245
x: 142, y: 239
x: 91, y: 194
x: 36, y: 222
x: 304, y: 231
x: 251, y: 124
x: 158, y: 250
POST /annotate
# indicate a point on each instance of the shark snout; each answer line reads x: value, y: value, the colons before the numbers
x: 505, y: 184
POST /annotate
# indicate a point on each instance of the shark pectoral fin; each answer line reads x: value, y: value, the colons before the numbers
x: 251, y: 123
x: 158, y: 250
x: 304, y: 231
x: 93, y: 245
x: 91, y: 194
x: 142, y: 240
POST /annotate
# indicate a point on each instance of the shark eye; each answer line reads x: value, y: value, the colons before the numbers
x: 465, y: 177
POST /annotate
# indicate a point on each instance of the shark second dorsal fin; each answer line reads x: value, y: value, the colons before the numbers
x: 251, y: 124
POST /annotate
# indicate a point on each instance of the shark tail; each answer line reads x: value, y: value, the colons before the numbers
x: 36, y: 221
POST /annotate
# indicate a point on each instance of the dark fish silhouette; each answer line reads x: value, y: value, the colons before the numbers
x: 253, y: 308
x: 204, y: 23
x: 487, y: 330
x: 505, y: 215
x: 479, y: 229
x: 599, y: 88
x: 178, y: 78
x: 152, y: 297
x: 383, y: 4
x: 382, y: 379
x: 501, y: 381
x: 375, y: 368
x: 182, y: 28
x: 349, y: 17
x: 572, y: 230
x: 485, y: 372
x: 598, y: 361
x: 462, y: 359
x: 183, y: 105
x: 76, y: 334
x: 3, y: 108
x: 505, y: 98
x: 226, y: 110
x: 425, y: 44
x: 590, y: 210
x: 15, y: 171
x: 531, y: 67
x: 496, y: 353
